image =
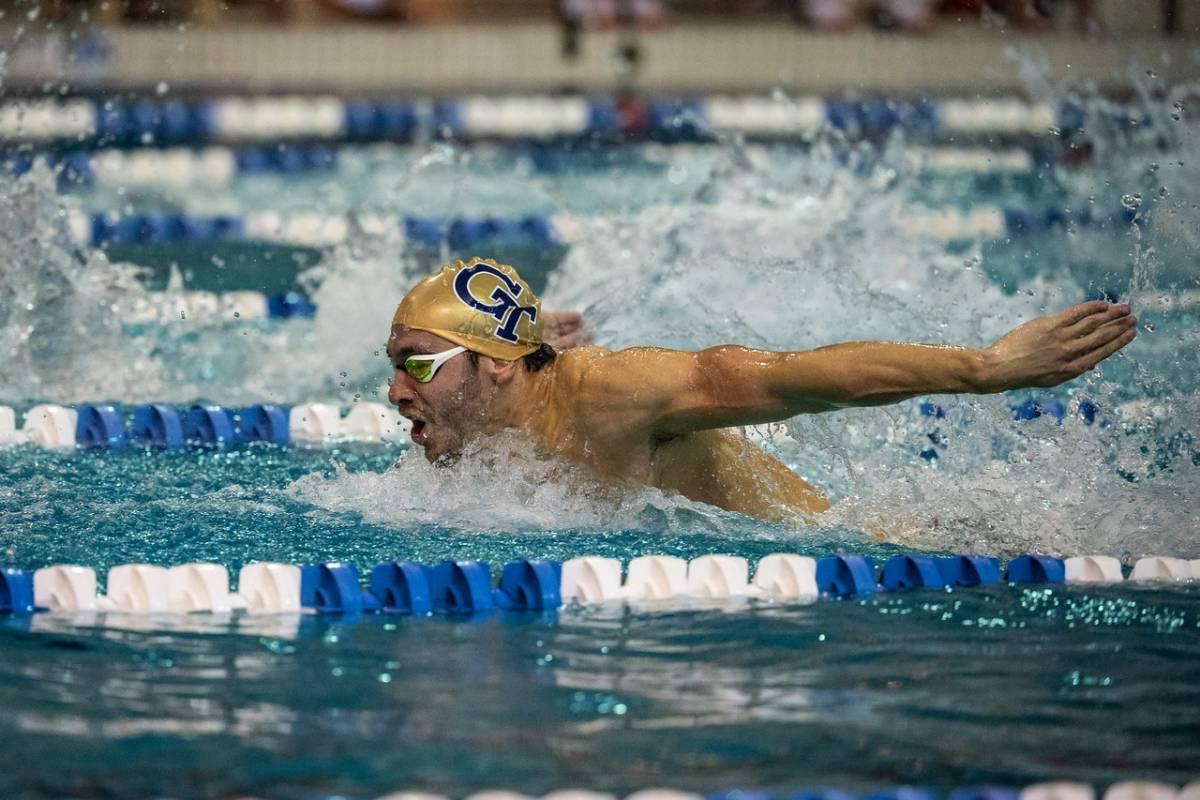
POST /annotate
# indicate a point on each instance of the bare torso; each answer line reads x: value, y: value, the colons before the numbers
x: 584, y: 419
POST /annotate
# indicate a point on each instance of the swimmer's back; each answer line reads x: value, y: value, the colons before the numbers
x: 597, y: 418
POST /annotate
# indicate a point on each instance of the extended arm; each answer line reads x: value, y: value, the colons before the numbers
x: 729, y: 385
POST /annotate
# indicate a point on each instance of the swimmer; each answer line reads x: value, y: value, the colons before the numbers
x: 471, y: 358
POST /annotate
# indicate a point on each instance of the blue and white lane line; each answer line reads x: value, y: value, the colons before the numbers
x: 163, y: 426
x: 470, y: 587
x: 219, y: 167
x: 154, y: 122
x: 322, y: 230
x: 309, y: 229
x: 1058, y: 790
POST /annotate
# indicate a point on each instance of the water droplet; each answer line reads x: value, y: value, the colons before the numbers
x: 33, y: 13
x: 162, y: 88
x: 237, y: 314
x: 1132, y: 201
x: 1151, y: 73
x: 1054, y: 131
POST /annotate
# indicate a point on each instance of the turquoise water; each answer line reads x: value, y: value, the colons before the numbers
x: 1005, y: 686
x: 780, y: 247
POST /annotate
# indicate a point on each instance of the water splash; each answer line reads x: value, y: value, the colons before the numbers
x: 64, y: 318
x: 763, y: 247
x: 60, y: 324
x: 827, y: 258
x: 506, y: 484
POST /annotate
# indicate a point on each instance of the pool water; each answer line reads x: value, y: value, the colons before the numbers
x: 1003, y: 686
x: 784, y: 247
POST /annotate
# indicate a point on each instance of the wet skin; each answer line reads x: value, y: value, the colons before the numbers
x: 668, y: 418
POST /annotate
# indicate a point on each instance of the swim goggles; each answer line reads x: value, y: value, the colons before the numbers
x: 422, y: 368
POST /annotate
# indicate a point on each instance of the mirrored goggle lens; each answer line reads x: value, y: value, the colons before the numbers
x: 419, y: 369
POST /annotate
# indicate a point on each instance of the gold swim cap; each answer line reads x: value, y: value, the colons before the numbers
x: 483, y: 306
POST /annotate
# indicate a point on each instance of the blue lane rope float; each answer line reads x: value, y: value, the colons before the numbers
x: 162, y: 426
x: 844, y: 576
x: 401, y: 587
x: 159, y: 123
x: 910, y: 572
x: 157, y: 426
x: 208, y: 426
x: 1035, y: 569
x: 466, y: 587
x: 16, y: 591
x: 969, y: 570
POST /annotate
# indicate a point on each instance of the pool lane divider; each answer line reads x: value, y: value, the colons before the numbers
x: 467, y: 587
x: 1049, y: 790
x: 218, y: 167
x: 103, y: 229
x: 145, y: 122
x: 162, y: 426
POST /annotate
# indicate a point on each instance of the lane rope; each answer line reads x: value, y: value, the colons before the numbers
x: 466, y: 587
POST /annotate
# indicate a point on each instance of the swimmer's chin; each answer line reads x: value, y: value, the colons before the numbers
x: 446, y: 459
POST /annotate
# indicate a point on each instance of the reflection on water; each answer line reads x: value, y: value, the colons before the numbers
x: 935, y: 688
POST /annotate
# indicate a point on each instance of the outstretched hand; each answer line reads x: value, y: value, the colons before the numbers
x: 1050, y: 350
x: 565, y: 329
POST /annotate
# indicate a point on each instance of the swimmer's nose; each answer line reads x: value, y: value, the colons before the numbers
x: 401, y: 391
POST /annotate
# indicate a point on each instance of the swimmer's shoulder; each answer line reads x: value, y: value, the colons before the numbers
x: 578, y: 366
x: 598, y: 379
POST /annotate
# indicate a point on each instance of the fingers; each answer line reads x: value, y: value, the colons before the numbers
x: 1104, y: 333
x: 564, y: 321
x: 1116, y: 336
x: 1077, y: 312
x: 1094, y: 320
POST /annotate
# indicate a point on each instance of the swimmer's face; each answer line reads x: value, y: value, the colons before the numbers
x: 447, y: 411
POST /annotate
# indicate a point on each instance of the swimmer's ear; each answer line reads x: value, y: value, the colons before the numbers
x: 500, y: 371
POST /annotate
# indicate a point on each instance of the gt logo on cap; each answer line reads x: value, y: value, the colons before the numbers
x: 505, y: 306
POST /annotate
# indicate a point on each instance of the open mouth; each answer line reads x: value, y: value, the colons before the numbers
x: 420, y: 432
